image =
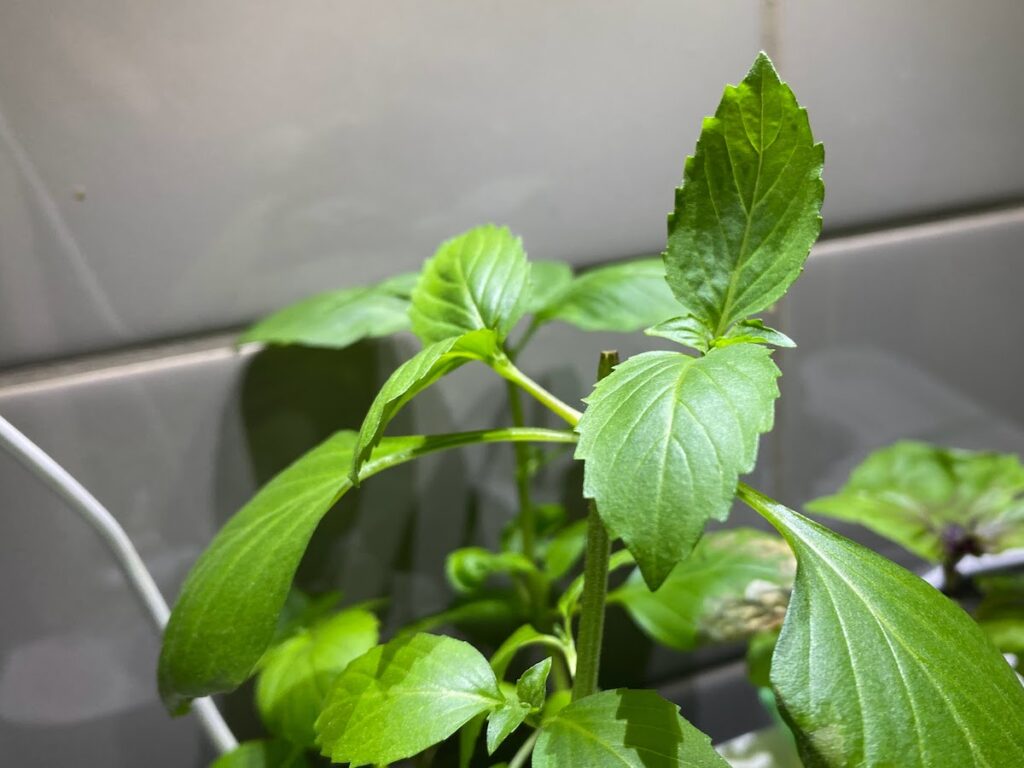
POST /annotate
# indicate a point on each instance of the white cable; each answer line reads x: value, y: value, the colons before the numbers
x: 58, y: 479
x: 971, y: 566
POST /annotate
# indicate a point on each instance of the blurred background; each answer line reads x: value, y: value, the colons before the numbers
x: 171, y: 171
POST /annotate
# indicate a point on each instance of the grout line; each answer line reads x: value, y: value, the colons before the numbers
x: 909, y: 232
x: 213, y: 347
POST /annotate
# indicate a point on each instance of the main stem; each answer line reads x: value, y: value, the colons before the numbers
x: 595, y: 585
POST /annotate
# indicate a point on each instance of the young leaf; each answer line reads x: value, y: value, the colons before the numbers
x: 468, y: 568
x: 295, y: 675
x: 338, y: 319
x: 686, y: 330
x: 547, y: 280
x: 531, y: 692
x: 412, y: 377
x: 532, y: 687
x: 564, y: 550
x: 226, y: 614
x: 621, y: 297
x: 749, y: 207
x: 503, y: 721
x: 631, y: 729
x: 939, y: 503
x: 1001, y: 613
x: 875, y: 667
x: 525, y: 636
x: 479, y: 279
x: 664, y: 439
x: 403, y: 697
x: 735, y: 583
x: 754, y: 332
x: 263, y: 754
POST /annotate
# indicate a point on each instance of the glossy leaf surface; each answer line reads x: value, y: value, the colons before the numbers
x: 295, y: 676
x: 749, y: 207
x: 664, y: 440
x: 415, y: 375
x: 629, y: 729
x: 875, y: 667
x: 227, y: 612
x: 337, y: 319
x: 936, y: 502
x: 548, y: 279
x: 403, y: 697
x: 479, y: 279
x: 621, y: 297
x: 734, y: 584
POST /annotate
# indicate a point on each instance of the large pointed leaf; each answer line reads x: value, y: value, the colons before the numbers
x: 874, y: 667
x: 227, y: 612
x: 479, y: 279
x: 412, y: 377
x: 403, y: 697
x: 628, y: 729
x: 620, y: 297
x: 664, y: 440
x: 296, y: 675
x: 749, y: 207
x: 735, y: 583
x: 939, y: 503
x: 337, y: 319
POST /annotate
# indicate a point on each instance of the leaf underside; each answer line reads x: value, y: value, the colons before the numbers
x: 926, y: 498
x: 749, y: 207
x: 664, y: 440
x: 874, y: 667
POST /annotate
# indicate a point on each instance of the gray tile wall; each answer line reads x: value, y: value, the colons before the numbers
x: 169, y: 170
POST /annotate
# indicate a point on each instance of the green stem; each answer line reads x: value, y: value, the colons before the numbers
x: 520, y: 757
x: 526, y: 520
x: 595, y: 585
x: 507, y: 370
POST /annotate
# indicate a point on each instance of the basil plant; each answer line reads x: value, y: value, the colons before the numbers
x: 871, y: 666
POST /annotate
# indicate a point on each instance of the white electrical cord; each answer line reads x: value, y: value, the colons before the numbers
x: 58, y: 479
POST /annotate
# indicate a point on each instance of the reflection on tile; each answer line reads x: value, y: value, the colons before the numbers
x: 901, y: 337
x: 917, y: 102
x: 172, y: 168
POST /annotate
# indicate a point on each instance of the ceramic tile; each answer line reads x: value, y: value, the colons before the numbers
x: 917, y: 101
x: 172, y: 168
x: 902, y: 336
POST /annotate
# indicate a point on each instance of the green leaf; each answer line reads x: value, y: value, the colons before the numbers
x: 548, y: 279
x: 295, y: 675
x: 937, y: 502
x: 403, y: 697
x: 525, y: 636
x: 227, y: 612
x: 415, y: 375
x: 759, y: 657
x: 479, y: 279
x: 622, y: 297
x: 262, y: 754
x: 686, y: 330
x: 631, y: 729
x: 736, y: 583
x: 1001, y: 612
x: 875, y: 667
x: 338, y: 319
x: 564, y: 549
x: 749, y: 207
x: 754, y: 332
x: 664, y: 439
x: 532, y: 687
x: 770, y: 748
x: 470, y: 567
x: 503, y: 721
